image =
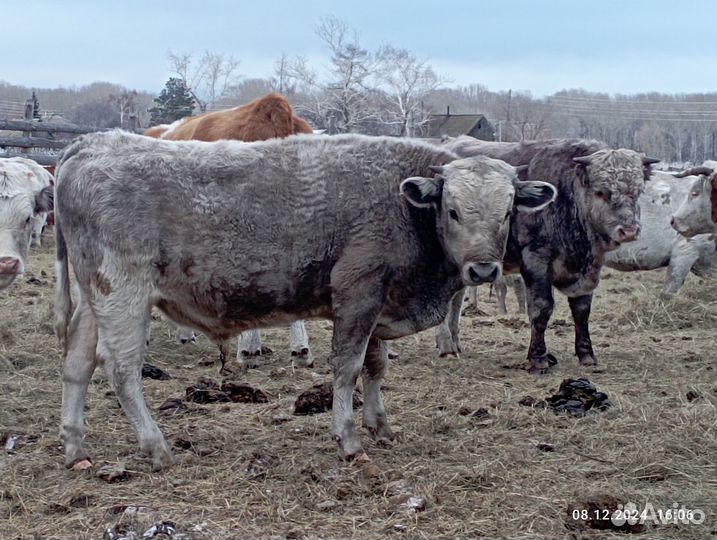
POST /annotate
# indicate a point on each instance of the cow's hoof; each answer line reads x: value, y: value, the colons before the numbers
x: 80, y: 464
x: 587, y: 360
x: 542, y: 365
x: 266, y: 350
x: 383, y: 435
x: 449, y: 354
x: 226, y: 371
x: 303, y: 358
x: 350, y: 448
x: 248, y: 360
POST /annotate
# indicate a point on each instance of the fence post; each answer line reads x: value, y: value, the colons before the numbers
x: 132, y: 123
x: 28, y: 118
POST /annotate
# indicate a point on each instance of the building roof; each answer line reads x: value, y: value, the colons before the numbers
x: 452, y: 125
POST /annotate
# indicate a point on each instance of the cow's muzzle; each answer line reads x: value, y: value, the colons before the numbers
x: 10, y: 268
x: 626, y: 233
x: 477, y: 273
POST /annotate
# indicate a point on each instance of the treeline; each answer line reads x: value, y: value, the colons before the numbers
x: 390, y: 91
x: 100, y: 104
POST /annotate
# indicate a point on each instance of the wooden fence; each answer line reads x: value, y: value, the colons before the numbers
x: 48, y: 136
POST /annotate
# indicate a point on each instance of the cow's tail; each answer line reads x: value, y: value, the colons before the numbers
x: 63, y: 298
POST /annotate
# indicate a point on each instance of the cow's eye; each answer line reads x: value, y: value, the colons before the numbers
x: 28, y: 219
x: 605, y: 196
x: 453, y: 214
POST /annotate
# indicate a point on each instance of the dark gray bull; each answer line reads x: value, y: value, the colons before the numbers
x: 564, y: 246
x: 377, y: 234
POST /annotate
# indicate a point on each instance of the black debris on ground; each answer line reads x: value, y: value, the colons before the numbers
x: 153, y: 372
x: 206, y: 390
x: 320, y: 398
x: 243, y: 393
x: 578, y: 397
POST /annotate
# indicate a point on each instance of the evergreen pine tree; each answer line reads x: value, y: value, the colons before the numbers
x: 173, y: 103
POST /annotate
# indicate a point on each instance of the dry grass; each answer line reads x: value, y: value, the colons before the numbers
x: 481, y: 477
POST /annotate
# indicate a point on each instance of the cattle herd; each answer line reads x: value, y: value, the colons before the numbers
x: 380, y: 235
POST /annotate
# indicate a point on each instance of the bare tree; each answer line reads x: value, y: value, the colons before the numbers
x: 206, y: 78
x: 347, y: 95
x: 282, y: 81
x: 126, y: 104
x: 406, y: 80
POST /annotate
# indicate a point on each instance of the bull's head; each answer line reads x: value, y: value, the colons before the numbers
x: 611, y: 184
x: 473, y: 199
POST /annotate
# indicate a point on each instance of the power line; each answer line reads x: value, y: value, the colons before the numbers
x: 647, y: 113
x: 622, y: 117
x: 631, y: 101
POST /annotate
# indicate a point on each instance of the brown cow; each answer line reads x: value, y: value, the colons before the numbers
x: 267, y: 117
x: 264, y: 118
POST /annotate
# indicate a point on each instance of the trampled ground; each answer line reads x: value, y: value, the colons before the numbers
x: 255, y: 470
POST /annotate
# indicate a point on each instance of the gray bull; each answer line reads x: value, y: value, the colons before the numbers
x: 564, y: 246
x: 376, y: 234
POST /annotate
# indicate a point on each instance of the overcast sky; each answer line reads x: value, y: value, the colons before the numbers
x: 614, y: 46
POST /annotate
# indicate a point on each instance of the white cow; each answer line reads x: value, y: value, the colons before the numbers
x: 659, y: 245
x: 25, y: 193
x: 698, y: 213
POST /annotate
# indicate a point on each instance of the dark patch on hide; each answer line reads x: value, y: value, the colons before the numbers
x: 102, y: 284
x: 162, y: 261
x: 185, y: 265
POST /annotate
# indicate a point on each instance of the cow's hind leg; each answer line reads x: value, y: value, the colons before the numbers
x: 121, y: 331
x: 501, y: 292
x: 79, y: 364
x: 580, y: 308
x: 250, y: 349
x: 299, y: 342
x: 374, y: 370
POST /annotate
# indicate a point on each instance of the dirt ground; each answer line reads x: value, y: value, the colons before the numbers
x: 255, y: 470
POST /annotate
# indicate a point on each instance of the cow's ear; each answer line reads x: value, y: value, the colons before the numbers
x: 45, y: 199
x: 533, y: 196
x: 423, y: 192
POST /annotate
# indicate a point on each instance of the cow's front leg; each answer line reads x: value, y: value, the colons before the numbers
x: 299, y: 342
x: 580, y: 308
x: 356, y: 305
x: 374, y: 370
x: 540, y: 308
x: 447, y: 339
